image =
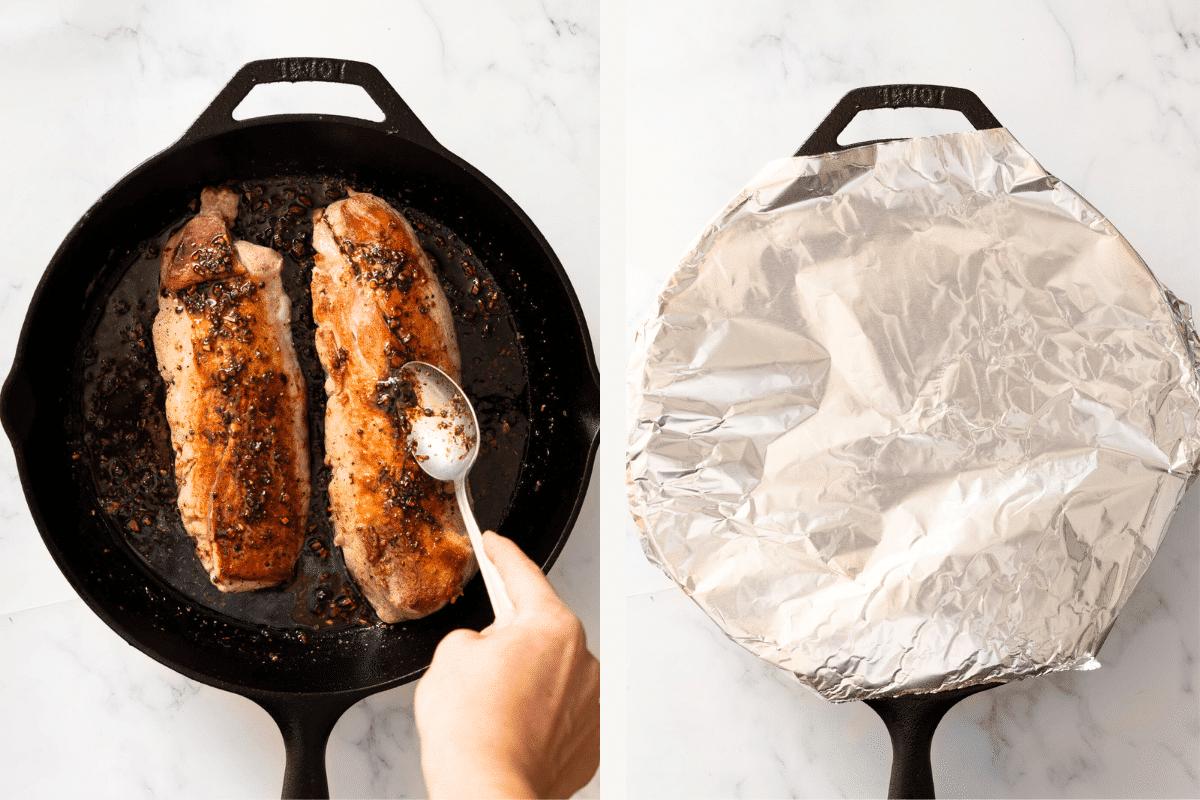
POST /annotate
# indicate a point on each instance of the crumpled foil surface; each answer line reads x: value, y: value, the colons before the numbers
x: 910, y: 417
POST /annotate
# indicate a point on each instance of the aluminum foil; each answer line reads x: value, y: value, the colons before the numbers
x: 912, y: 416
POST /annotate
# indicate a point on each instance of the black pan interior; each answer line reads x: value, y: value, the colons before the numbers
x: 41, y: 400
x: 124, y: 443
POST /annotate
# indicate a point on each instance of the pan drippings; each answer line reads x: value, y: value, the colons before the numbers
x: 125, y: 444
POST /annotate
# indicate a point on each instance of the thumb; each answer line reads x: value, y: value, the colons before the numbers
x: 527, y: 586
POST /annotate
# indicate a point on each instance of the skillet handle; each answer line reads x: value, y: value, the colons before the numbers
x: 306, y: 722
x: 911, y: 720
x: 17, y: 406
x: 398, y: 118
x: 897, y: 95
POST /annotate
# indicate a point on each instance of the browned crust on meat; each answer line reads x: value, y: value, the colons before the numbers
x: 202, y: 251
x: 235, y: 400
x: 378, y: 305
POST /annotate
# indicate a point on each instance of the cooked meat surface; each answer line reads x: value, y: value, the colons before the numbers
x: 377, y: 304
x: 235, y: 400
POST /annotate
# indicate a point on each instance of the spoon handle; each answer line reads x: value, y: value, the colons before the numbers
x: 502, y: 607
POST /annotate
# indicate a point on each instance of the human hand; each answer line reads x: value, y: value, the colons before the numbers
x: 514, y: 710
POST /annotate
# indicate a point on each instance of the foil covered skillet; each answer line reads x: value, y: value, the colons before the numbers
x: 911, y: 416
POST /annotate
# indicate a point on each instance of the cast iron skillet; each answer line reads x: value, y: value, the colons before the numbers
x: 910, y: 719
x: 304, y: 685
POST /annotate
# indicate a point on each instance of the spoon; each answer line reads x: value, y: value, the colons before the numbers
x: 444, y: 435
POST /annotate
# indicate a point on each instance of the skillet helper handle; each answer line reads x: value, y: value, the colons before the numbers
x: 306, y: 722
x: 398, y: 118
x: 17, y: 405
x: 897, y: 95
x: 911, y: 721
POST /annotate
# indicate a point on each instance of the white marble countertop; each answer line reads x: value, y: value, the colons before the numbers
x: 1106, y: 95
x: 89, y: 91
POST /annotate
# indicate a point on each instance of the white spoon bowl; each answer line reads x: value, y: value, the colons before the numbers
x: 444, y: 434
